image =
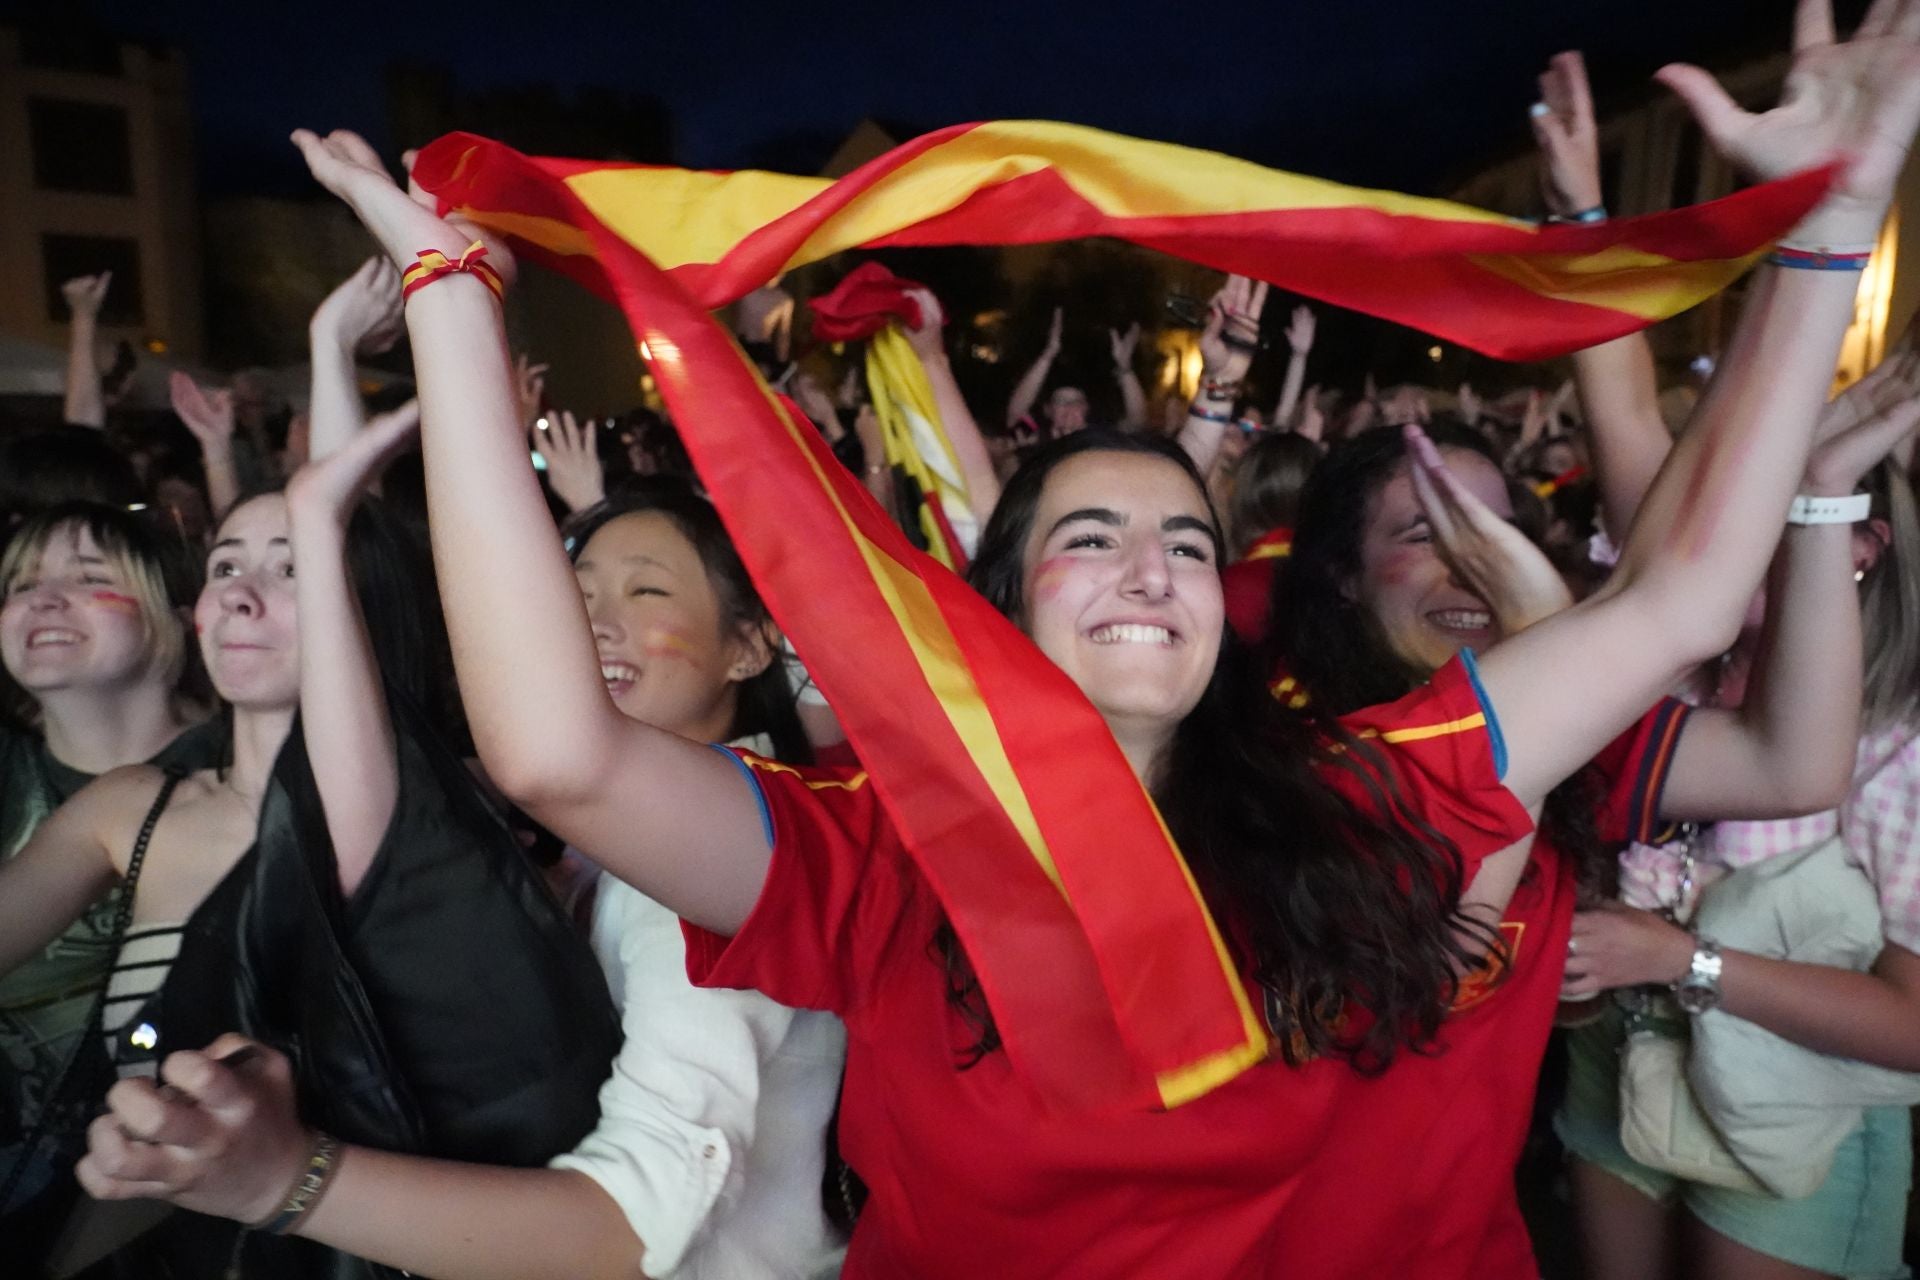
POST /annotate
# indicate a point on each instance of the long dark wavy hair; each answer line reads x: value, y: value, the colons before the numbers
x: 1346, y: 915
x: 1336, y: 649
x: 763, y: 703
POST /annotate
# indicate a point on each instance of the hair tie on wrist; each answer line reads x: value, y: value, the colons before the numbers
x: 434, y: 265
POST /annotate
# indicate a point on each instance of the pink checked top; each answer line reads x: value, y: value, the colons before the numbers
x: 1879, y: 822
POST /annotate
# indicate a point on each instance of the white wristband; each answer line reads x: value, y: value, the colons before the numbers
x: 1848, y: 510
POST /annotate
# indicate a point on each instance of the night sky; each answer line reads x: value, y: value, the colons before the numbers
x: 1400, y: 93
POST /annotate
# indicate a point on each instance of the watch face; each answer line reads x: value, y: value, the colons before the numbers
x: 1696, y: 997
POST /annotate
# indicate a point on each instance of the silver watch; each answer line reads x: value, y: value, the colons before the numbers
x: 1699, y: 990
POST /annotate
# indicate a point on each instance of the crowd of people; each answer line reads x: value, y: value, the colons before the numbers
x: 423, y: 854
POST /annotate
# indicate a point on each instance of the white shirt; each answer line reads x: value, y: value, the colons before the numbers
x: 712, y: 1133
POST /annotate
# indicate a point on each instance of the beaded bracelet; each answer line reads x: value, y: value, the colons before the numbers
x: 434, y: 265
x: 1223, y: 417
x: 306, y: 1189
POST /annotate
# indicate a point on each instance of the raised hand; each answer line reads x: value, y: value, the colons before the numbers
x: 1300, y: 329
x: 1054, y: 330
x: 335, y: 484
x: 1122, y: 346
x: 530, y: 385
x: 206, y: 411
x: 925, y: 337
x: 1533, y: 423
x: 1232, y: 332
x: 573, y: 460
x: 1496, y: 561
x: 1840, y: 461
x: 1856, y: 103
x: 1470, y: 406
x: 218, y: 1135
x: 86, y: 294
x: 363, y: 314
x: 1569, y: 143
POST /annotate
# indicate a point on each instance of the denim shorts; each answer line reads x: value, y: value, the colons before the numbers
x: 1852, y: 1226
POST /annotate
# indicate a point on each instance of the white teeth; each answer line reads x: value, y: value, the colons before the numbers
x: 1131, y: 633
x: 1462, y: 619
x: 612, y: 672
x: 42, y: 639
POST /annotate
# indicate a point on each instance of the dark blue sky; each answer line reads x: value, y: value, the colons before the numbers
x: 1390, y: 92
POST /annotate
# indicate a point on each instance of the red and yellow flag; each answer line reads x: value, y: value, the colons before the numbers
x: 1109, y: 980
x: 1496, y: 284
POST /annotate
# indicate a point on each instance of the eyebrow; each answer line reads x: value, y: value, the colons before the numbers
x: 241, y: 542
x: 1112, y: 518
x: 632, y: 561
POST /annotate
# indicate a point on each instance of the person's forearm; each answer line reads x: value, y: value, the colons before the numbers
x: 223, y: 478
x: 1621, y: 398
x: 85, y: 405
x: 523, y: 649
x: 963, y: 433
x: 1027, y: 390
x: 1789, y: 748
x: 336, y: 413
x: 1873, y: 1017
x: 1703, y: 535
x: 477, y: 1222
x: 343, y: 706
x: 1200, y: 435
x: 1290, y: 391
x: 1133, y: 400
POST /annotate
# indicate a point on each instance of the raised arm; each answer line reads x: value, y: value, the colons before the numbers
x: 1133, y: 397
x: 1789, y: 748
x: 85, y: 405
x: 1299, y: 342
x: 1027, y: 390
x: 208, y: 414
x: 343, y: 706
x: 1227, y: 344
x: 361, y: 315
x: 677, y: 820
x: 963, y: 432
x: 1615, y: 379
x: 1709, y: 525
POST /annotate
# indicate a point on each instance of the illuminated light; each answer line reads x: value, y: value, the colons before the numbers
x: 136, y: 506
x: 1434, y: 353
x: 144, y: 1036
x: 540, y: 423
x: 1865, y: 343
x: 158, y: 346
x: 1190, y: 365
x: 646, y: 352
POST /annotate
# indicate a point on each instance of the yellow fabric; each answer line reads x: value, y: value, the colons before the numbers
x: 898, y: 383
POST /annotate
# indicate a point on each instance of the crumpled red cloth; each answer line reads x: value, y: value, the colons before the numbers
x: 864, y: 303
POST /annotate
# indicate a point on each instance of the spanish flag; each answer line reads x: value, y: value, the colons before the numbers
x: 932, y: 495
x: 1109, y: 980
x: 1498, y: 285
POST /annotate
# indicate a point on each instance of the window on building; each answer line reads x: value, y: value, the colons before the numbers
x: 65, y: 257
x: 80, y: 146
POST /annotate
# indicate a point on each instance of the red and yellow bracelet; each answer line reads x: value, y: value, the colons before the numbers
x: 434, y: 265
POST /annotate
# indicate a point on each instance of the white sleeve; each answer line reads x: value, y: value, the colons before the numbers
x: 677, y: 1114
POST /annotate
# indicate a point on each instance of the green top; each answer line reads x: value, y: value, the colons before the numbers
x: 46, y: 1002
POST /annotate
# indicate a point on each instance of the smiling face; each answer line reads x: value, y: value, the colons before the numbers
x: 72, y: 619
x: 1423, y: 611
x: 1122, y: 590
x: 249, y: 630
x: 1067, y: 410
x: 667, y: 653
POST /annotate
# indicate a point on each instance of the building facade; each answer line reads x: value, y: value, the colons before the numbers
x: 96, y: 174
